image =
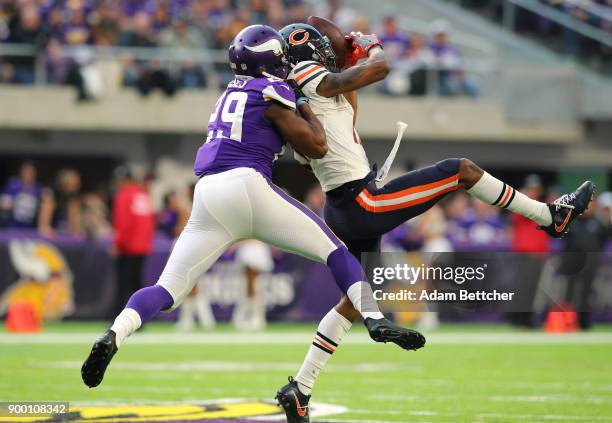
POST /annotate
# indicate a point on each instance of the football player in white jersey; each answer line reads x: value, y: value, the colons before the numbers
x: 357, y: 210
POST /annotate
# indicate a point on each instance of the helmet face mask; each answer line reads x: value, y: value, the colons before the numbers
x: 305, y: 42
x: 326, y: 54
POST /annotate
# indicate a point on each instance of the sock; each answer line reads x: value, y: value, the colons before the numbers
x: 141, y: 307
x: 329, y: 334
x: 349, y: 277
x: 362, y: 297
x: 493, y: 191
x: 345, y: 268
x: 126, y: 323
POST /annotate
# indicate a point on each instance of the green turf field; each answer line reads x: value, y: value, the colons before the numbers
x: 464, y: 374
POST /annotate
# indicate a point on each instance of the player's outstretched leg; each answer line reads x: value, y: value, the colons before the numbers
x: 200, y: 244
x: 554, y: 218
x: 142, y: 306
x: 333, y: 327
x: 274, y: 211
x: 348, y: 273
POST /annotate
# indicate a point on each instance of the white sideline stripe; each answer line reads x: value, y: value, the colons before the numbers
x: 219, y: 366
x: 300, y: 338
x: 405, y: 198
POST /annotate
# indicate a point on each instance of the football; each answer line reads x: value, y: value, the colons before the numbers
x: 335, y: 35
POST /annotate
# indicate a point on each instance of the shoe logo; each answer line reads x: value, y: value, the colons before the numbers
x: 561, y: 228
x: 302, y: 411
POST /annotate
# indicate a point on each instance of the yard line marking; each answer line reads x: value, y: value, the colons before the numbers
x: 219, y: 366
x: 541, y: 417
x: 299, y: 338
x: 591, y: 399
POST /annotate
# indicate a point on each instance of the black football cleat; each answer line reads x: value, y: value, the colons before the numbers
x: 383, y: 330
x: 99, y: 358
x: 293, y: 402
x: 568, y: 207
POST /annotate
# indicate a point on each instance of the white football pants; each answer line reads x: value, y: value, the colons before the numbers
x: 235, y: 205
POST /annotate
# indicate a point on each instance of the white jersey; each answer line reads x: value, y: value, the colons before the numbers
x: 346, y: 159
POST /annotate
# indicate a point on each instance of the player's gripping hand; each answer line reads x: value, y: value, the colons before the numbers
x: 300, y: 97
x: 361, y: 45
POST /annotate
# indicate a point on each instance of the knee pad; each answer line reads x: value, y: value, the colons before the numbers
x: 450, y: 166
x: 345, y: 267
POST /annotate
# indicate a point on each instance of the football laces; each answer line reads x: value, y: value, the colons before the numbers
x: 564, y: 201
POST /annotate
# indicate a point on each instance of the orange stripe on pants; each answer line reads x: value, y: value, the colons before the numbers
x: 406, y: 204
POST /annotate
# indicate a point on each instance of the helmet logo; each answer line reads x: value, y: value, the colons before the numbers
x: 273, y: 45
x: 297, y: 41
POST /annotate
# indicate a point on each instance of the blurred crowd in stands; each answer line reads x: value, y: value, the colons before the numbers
x: 52, y: 25
x: 457, y: 223
x: 135, y: 230
x: 62, y: 207
x: 594, y: 13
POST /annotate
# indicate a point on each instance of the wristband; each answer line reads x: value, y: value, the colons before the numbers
x: 302, y: 100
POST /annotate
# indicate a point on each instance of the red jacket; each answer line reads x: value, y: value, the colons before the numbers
x: 133, y: 220
x: 527, y: 238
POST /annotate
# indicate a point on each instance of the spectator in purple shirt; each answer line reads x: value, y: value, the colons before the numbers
x: 21, y: 198
x: 77, y: 30
x: 485, y: 226
x: 172, y: 218
x: 452, y: 78
x: 54, y: 22
x: 131, y: 7
x: 396, y: 41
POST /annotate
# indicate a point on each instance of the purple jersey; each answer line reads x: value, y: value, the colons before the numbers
x: 238, y: 133
x: 23, y: 201
x: 395, y: 44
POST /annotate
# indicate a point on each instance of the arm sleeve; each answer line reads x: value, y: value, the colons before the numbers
x: 281, y: 92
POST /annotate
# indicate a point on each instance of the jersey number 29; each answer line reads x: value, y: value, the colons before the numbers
x: 227, y: 116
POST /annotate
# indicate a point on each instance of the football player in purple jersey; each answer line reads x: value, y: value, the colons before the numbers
x: 235, y: 198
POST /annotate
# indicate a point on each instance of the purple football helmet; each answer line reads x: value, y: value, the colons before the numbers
x: 259, y: 51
